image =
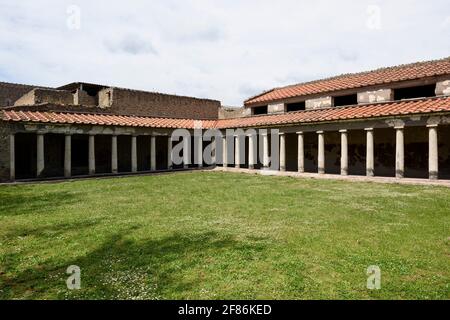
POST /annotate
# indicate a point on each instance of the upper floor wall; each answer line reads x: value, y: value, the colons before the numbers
x: 425, y: 79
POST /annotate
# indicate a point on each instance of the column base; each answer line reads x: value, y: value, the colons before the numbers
x: 344, y: 172
x: 321, y: 171
x: 399, y: 174
x: 433, y: 175
x: 251, y: 167
x: 282, y: 168
x: 370, y: 173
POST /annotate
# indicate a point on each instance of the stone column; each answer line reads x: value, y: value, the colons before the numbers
x: 133, y: 154
x: 225, y: 151
x: 152, y: 153
x: 200, y: 151
x: 214, y: 150
x: 237, y: 154
x: 251, y: 151
x: 282, y: 151
x: 91, y: 154
x: 344, y: 152
x: 114, y: 162
x: 169, y: 152
x: 68, y: 156
x: 399, y: 152
x: 40, y: 164
x: 265, y: 150
x: 433, y: 160
x: 300, y: 152
x: 321, y: 152
x: 186, y: 152
x: 12, y: 157
x: 370, y: 162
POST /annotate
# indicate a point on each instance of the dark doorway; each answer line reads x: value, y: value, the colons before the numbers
x: 25, y: 157
x: 80, y: 155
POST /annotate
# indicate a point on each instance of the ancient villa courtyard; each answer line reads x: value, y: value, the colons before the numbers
x: 291, y: 196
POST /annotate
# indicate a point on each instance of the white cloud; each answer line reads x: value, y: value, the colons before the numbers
x: 226, y: 50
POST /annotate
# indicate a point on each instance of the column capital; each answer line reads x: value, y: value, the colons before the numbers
x: 368, y: 129
x: 281, y: 133
x: 264, y: 134
x: 343, y: 131
x: 399, y: 127
x: 299, y: 132
x: 432, y: 125
x: 319, y: 132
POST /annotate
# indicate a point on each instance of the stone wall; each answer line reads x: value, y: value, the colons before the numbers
x: 230, y: 113
x: 81, y: 97
x: 4, y: 151
x: 381, y: 95
x: 276, y: 108
x: 319, y: 103
x: 42, y: 95
x: 10, y: 92
x: 443, y: 88
x: 140, y: 103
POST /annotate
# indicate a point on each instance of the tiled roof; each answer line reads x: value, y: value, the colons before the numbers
x: 101, y: 119
x: 387, y: 109
x: 357, y: 80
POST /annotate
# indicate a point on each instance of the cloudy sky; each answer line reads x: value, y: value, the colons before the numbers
x: 227, y: 50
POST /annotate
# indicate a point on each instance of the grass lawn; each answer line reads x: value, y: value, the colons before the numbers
x: 212, y: 235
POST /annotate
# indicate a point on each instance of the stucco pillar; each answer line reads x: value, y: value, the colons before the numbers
x: 40, y: 164
x: 433, y: 160
x: 344, y: 152
x: 186, y: 152
x: 133, y: 154
x: 321, y: 152
x: 370, y: 162
x: 300, y: 152
x: 200, y: 151
x: 114, y: 162
x: 251, y: 151
x: 91, y: 154
x: 237, y: 154
x: 282, y: 151
x: 68, y: 156
x: 152, y: 153
x: 225, y: 151
x: 265, y: 150
x: 12, y: 157
x: 214, y: 150
x: 169, y: 152
x: 399, y: 152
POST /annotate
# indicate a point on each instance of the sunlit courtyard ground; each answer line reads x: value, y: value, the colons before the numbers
x: 212, y: 235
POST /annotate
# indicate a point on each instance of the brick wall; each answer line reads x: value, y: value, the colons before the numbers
x: 142, y: 103
x: 10, y: 92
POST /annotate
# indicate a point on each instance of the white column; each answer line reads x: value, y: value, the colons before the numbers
x: 251, y: 151
x: 40, y: 164
x: 214, y: 150
x: 114, y: 162
x: 186, y: 152
x: 344, y: 152
x: 370, y: 162
x: 433, y: 159
x: 91, y: 154
x: 300, y: 152
x: 200, y: 151
x: 399, y: 152
x: 321, y: 152
x: 225, y: 151
x: 282, y: 151
x: 237, y: 154
x: 12, y: 157
x: 265, y: 150
x: 169, y: 152
x: 133, y: 154
x: 152, y: 153
x: 68, y: 156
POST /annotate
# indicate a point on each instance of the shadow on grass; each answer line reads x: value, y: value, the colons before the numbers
x: 129, y: 269
x: 17, y: 201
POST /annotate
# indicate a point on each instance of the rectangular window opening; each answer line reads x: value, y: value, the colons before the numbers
x: 297, y: 106
x: 415, y: 92
x: 347, y: 100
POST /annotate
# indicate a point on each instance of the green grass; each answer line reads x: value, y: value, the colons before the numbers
x: 223, y: 236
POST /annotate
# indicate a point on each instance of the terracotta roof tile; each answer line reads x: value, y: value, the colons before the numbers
x: 357, y: 80
x: 417, y: 106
